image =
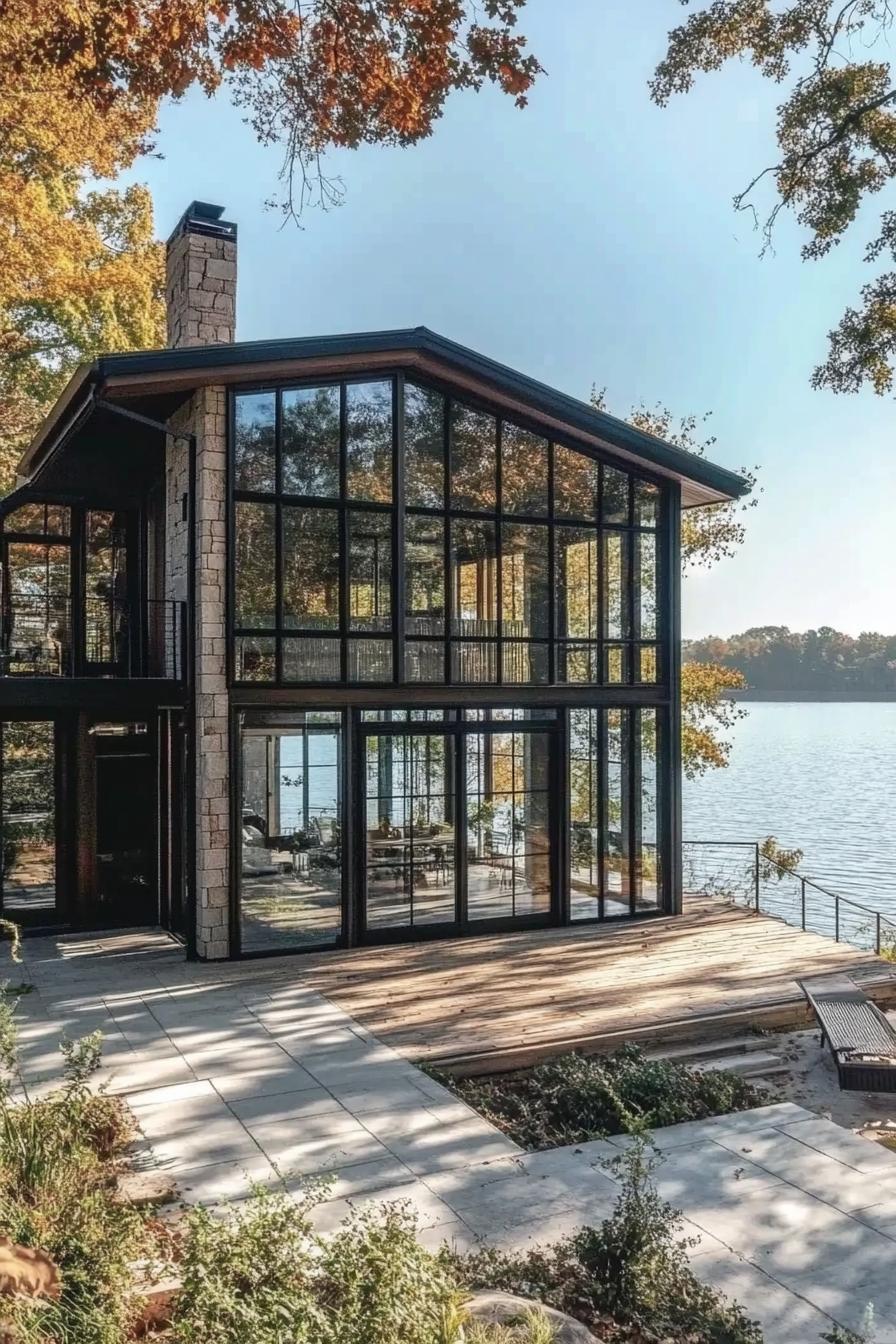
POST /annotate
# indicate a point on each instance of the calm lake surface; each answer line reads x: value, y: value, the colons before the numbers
x: 820, y: 777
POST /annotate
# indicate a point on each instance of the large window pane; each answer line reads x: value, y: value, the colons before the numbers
x: 579, y: 663
x: 29, y: 822
x: 290, y: 878
x: 474, y: 662
x: 39, y: 520
x: 575, y: 484
x: 311, y: 658
x: 616, y: 593
x: 310, y: 569
x: 524, y: 662
x: 105, y: 587
x: 647, y: 503
x: 310, y: 438
x: 370, y: 570
x: 524, y: 470
x: 254, y: 562
x: 369, y: 441
x: 254, y: 445
x: 474, y: 585
x: 617, y: 849
x: 39, y: 587
x: 256, y: 658
x: 424, y: 660
x: 584, y: 814
x: 646, y: 581
x: 578, y: 583
x: 424, y: 552
x: 410, y: 840
x: 370, y: 660
x: 424, y: 447
x: 473, y: 459
x: 615, y: 507
x: 648, y: 885
x: 525, y: 596
x: 508, y: 811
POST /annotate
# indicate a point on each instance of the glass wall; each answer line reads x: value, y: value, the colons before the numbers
x: 290, y: 872
x: 614, y: 812
x: 28, y: 772
x: 518, y: 561
x: 37, y: 600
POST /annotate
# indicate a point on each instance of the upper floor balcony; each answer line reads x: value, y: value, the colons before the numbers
x: 82, y: 594
x: 41, y: 636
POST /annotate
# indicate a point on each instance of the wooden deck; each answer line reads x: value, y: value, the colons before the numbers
x: 511, y: 998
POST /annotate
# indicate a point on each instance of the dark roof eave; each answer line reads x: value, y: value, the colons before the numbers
x: 577, y: 414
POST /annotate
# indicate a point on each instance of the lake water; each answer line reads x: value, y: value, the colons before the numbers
x: 820, y: 777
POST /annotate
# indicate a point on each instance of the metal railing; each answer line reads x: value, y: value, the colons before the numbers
x: 39, y: 638
x: 739, y: 871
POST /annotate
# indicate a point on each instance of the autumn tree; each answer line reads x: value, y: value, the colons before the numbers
x: 708, y: 535
x: 81, y: 82
x: 836, y: 142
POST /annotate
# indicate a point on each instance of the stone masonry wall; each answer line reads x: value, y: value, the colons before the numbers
x: 206, y: 417
x: 200, y: 292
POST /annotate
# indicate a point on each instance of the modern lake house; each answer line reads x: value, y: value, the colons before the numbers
x: 335, y: 641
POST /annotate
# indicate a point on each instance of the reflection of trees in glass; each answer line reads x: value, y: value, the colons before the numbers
x: 369, y: 441
x: 524, y: 470
x: 254, y: 420
x: 473, y: 458
x: 311, y: 568
x: 575, y: 484
x: 425, y: 575
x: 28, y: 787
x: 254, y: 540
x: 310, y: 441
x: 424, y: 447
x: 370, y: 570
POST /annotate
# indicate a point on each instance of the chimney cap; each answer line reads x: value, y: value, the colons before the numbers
x: 203, y: 217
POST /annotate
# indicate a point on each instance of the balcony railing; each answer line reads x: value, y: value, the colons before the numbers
x: 38, y: 639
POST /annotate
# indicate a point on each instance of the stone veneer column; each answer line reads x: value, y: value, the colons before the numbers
x: 212, y: 701
x: 206, y: 417
x: 200, y: 295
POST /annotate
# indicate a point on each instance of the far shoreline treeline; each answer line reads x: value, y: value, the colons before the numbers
x: 824, y: 664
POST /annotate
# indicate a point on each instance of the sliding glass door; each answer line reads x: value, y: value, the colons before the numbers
x: 457, y: 828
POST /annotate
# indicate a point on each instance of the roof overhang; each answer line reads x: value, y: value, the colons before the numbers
x: 157, y: 381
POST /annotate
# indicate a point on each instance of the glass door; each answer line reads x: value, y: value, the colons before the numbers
x: 409, y: 841
x: 457, y: 828
x: 28, y: 769
x: 508, y: 824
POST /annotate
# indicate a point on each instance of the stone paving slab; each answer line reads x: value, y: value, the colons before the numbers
x: 236, y: 1080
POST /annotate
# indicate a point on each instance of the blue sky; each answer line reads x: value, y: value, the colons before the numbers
x: 591, y: 239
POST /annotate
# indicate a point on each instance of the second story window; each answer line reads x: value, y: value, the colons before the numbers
x: 518, y: 560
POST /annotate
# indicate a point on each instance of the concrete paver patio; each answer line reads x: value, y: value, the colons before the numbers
x: 251, y: 1080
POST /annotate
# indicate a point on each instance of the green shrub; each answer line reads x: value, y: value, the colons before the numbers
x: 574, y: 1098
x: 632, y: 1270
x: 57, y: 1182
x: 264, y: 1277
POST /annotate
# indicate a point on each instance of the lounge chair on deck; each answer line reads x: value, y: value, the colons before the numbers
x: 860, y: 1037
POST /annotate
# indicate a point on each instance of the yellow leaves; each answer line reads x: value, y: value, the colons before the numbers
x: 707, y: 710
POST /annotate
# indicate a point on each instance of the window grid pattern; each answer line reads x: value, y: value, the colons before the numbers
x: 448, y: 546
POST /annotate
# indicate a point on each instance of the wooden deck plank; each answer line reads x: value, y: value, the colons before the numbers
x: 525, y: 990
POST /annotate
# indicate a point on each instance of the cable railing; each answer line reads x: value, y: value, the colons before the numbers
x: 39, y: 637
x: 741, y: 872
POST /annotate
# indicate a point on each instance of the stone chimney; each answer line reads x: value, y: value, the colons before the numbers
x: 200, y: 280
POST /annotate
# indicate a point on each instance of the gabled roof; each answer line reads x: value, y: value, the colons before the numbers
x: 159, y: 374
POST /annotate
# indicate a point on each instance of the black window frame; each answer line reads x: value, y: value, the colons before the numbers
x: 602, y: 650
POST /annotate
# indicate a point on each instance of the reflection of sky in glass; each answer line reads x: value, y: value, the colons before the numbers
x: 322, y: 778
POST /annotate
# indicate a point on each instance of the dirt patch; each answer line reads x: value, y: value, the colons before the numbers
x: 811, y: 1081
